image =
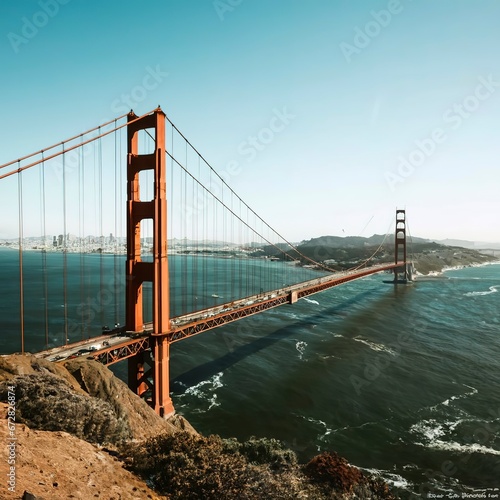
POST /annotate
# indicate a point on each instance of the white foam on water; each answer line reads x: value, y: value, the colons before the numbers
x: 463, y: 448
x: 433, y: 430
x: 394, y: 479
x: 182, y: 384
x: 447, y: 402
x: 374, y: 346
x: 321, y: 437
x: 492, y: 289
x: 205, y: 391
x: 301, y: 347
x: 430, y: 429
x: 311, y: 301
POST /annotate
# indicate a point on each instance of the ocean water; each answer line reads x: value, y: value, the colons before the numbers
x: 403, y: 381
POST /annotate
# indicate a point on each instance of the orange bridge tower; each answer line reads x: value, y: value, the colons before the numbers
x: 402, y: 273
x: 138, y: 271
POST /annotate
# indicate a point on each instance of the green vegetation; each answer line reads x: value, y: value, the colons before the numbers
x: 45, y: 402
x: 344, y: 253
x: 185, y: 466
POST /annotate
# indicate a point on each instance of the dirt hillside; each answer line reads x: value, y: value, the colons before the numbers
x: 79, y: 411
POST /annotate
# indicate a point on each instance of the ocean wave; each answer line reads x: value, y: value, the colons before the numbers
x: 492, y: 289
x: 375, y: 347
x: 432, y: 434
x: 462, y: 448
x: 205, y: 391
x: 447, y: 402
x: 430, y: 429
x: 320, y: 423
x: 301, y: 347
x: 311, y: 301
x: 394, y: 479
x: 339, y: 429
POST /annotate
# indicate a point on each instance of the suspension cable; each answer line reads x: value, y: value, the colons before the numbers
x: 67, y: 150
x: 374, y: 253
x: 60, y: 143
x: 292, y: 247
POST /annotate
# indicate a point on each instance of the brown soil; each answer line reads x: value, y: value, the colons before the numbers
x: 53, y: 465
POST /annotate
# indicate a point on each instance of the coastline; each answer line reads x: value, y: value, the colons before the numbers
x: 445, y: 269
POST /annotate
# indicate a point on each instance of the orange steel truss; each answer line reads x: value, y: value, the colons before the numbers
x: 137, y: 271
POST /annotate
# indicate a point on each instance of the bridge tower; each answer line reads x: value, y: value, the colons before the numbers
x: 138, y: 271
x: 401, y: 273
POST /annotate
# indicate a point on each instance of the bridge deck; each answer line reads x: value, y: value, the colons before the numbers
x: 120, y: 347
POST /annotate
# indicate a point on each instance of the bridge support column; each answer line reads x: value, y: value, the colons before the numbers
x: 138, y: 271
x: 400, y: 272
x: 137, y: 381
x: 163, y: 405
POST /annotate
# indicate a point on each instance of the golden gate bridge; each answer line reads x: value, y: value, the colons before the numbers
x: 79, y: 185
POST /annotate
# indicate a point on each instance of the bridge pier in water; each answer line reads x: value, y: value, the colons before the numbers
x: 137, y: 271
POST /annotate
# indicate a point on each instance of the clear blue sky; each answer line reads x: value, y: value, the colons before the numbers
x: 387, y: 103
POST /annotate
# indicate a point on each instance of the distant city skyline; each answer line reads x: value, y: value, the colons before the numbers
x: 325, y: 117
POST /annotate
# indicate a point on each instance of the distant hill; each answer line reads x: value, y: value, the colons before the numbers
x: 354, y: 241
x: 343, y: 253
x: 475, y: 245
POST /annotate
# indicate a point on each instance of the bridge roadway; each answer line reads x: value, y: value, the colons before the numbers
x: 109, y: 349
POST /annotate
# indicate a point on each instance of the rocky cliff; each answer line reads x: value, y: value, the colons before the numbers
x: 80, y: 433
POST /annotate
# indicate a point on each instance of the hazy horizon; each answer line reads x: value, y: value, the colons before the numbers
x: 324, y: 117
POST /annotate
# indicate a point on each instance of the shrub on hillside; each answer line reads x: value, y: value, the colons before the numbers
x: 267, y: 451
x: 48, y: 403
x: 184, y: 466
x: 339, y: 479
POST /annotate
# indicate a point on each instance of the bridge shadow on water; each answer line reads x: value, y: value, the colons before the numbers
x: 207, y: 370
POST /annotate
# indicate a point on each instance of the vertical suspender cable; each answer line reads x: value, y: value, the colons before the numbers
x: 120, y: 205
x: 204, y: 235
x: 216, y: 259
x: 21, y: 237
x: 171, y: 219
x: 65, y: 254
x: 189, y: 257
x: 184, y: 287
x: 44, y: 253
x: 83, y: 254
x: 101, y: 232
x: 115, y: 252
x: 81, y: 235
x: 189, y: 279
